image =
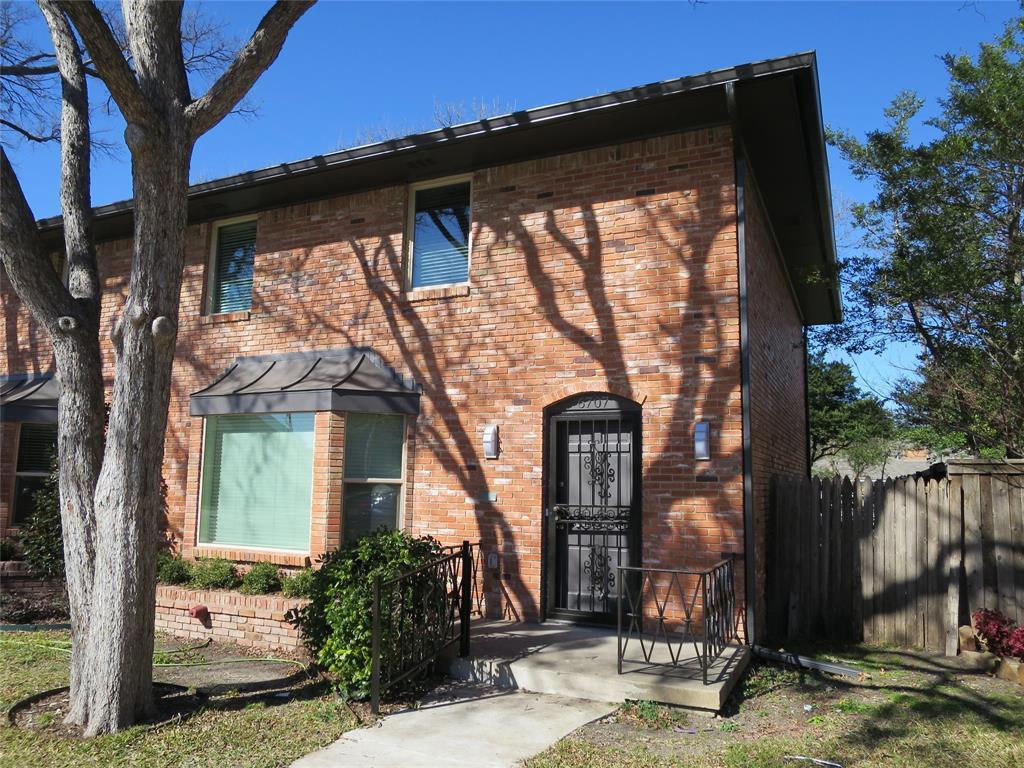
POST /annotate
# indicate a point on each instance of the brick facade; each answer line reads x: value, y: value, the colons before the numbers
x: 778, y: 416
x: 607, y: 270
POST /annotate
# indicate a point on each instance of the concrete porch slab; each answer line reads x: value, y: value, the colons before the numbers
x: 580, y: 662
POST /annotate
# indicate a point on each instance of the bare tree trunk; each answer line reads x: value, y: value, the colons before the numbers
x: 110, y: 510
x: 77, y: 353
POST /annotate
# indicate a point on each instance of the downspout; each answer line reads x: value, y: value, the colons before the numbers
x: 749, y: 585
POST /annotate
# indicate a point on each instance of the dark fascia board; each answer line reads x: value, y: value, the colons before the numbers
x: 407, y: 403
x: 633, y: 113
x: 35, y: 414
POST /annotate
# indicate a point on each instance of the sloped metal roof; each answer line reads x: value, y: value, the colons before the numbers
x: 777, y: 114
x: 329, y: 380
x: 29, y: 397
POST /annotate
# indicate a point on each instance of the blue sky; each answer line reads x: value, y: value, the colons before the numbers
x: 349, y: 69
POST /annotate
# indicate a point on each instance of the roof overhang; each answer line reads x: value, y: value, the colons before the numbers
x: 330, y: 380
x: 29, y: 397
x: 779, y: 116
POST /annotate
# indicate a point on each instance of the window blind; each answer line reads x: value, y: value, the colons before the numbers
x: 373, y: 446
x: 37, y: 444
x: 258, y: 481
x: 233, y: 267
x: 441, y: 236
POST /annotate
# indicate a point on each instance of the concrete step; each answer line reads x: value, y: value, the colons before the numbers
x: 580, y: 662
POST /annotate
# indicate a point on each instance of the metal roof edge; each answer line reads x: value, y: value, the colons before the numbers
x: 575, y: 108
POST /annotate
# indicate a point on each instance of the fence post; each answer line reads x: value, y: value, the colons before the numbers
x: 466, y: 602
x: 375, y: 649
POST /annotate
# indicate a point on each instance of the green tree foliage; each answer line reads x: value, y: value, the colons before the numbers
x: 943, y: 262
x: 337, y: 624
x: 841, y: 415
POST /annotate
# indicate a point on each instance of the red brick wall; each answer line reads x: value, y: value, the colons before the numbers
x: 253, y: 621
x: 777, y: 396
x: 609, y: 270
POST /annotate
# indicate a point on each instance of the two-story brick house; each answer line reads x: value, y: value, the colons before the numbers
x: 575, y: 333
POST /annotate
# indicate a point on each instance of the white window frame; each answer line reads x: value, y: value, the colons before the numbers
x: 211, y: 261
x: 22, y: 473
x: 410, y: 230
x: 345, y: 479
x: 211, y: 546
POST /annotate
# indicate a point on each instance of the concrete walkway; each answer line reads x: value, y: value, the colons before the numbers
x: 462, y: 725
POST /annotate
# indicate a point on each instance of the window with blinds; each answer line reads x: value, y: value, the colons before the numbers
x: 257, y: 481
x: 374, y: 473
x: 37, y: 445
x: 440, y: 219
x: 231, y: 284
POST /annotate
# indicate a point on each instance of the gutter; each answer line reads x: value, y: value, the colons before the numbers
x: 749, y: 585
x: 515, y: 121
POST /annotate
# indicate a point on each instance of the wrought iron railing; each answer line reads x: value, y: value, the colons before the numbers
x: 419, y: 614
x: 658, y: 610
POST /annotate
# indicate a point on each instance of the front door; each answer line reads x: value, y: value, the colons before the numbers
x: 593, y: 514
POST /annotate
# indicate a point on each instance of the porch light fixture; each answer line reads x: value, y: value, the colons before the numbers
x: 491, y: 441
x: 702, y: 441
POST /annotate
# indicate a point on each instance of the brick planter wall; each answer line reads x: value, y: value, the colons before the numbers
x: 253, y: 621
x: 16, y: 582
x: 27, y: 599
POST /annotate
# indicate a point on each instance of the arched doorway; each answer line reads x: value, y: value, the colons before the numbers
x: 592, y: 469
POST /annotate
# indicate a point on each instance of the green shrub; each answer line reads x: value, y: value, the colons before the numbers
x: 214, y: 573
x: 9, y: 550
x: 41, y: 536
x: 299, y: 584
x: 171, y: 569
x: 261, y: 579
x: 337, y: 623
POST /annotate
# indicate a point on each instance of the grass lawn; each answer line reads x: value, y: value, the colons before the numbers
x: 250, y: 730
x: 914, y: 711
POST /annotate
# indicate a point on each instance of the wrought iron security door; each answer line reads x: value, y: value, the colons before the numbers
x: 593, y: 507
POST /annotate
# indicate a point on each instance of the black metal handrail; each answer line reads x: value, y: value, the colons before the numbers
x: 420, y: 613
x: 675, y: 603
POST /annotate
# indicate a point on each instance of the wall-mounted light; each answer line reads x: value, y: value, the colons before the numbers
x: 492, y: 443
x: 702, y: 441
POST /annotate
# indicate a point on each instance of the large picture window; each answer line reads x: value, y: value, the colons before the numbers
x: 37, y: 444
x: 439, y: 233
x: 374, y: 471
x: 232, y: 267
x: 257, y: 481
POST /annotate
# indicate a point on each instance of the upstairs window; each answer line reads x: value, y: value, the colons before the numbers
x: 439, y: 219
x: 374, y: 471
x: 231, y: 267
x: 37, y: 444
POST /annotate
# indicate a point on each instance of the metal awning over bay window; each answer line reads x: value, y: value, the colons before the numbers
x: 334, y: 380
x: 30, y: 398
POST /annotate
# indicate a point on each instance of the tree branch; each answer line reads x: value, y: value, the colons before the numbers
x: 254, y: 58
x: 41, y: 139
x: 75, y: 145
x: 28, y: 266
x: 108, y: 60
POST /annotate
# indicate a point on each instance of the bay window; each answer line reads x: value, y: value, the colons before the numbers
x: 257, y: 481
x: 374, y: 473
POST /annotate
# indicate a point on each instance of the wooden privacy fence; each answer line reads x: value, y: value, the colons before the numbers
x: 901, y: 562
